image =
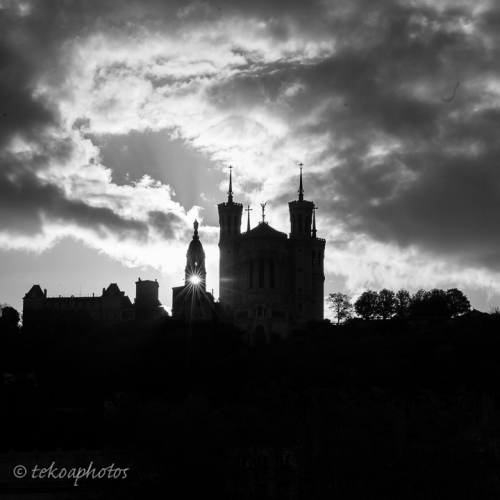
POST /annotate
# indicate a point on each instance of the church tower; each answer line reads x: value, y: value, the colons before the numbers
x: 318, y: 271
x: 195, y: 271
x: 306, y: 259
x: 269, y: 283
x: 191, y: 302
x: 230, y: 214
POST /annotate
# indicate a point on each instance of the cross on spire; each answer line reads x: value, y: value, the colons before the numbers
x: 263, y: 205
x: 248, y: 210
x: 230, y: 192
x: 301, y: 189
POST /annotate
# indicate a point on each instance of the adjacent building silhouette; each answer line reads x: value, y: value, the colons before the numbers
x: 146, y: 303
x: 109, y: 308
x: 269, y: 282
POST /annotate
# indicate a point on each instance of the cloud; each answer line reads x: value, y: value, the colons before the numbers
x: 406, y: 184
x: 52, y: 182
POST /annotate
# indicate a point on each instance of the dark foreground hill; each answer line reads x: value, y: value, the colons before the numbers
x: 383, y: 409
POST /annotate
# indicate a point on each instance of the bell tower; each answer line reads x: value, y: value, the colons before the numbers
x: 195, y: 271
x: 230, y: 214
x: 306, y: 259
x: 300, y: 214
x: 318, y: 272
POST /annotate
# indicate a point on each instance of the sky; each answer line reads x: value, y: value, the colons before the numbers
x: 119, y: 120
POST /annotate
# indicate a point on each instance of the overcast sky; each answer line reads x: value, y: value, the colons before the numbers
x: 118, y: 120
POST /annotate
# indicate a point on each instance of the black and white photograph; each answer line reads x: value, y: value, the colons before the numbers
x: 249, y: 249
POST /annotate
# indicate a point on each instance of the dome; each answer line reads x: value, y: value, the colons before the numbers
x: 195, y: 251
x: 264, y: 229
x: 195, y: 261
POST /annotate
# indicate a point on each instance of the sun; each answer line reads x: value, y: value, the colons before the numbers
x: 195, y: 280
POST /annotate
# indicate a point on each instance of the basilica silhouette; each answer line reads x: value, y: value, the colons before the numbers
x: 269, y: 283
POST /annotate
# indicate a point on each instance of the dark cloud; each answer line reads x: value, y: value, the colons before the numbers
x: 451, y: 207
x: 439, y: 189
x: 164, y: 222
x: 30, y: 53
x: 25, y: 201
x: 435, y: 184
x: 435, y: 181
x: 21, y: 113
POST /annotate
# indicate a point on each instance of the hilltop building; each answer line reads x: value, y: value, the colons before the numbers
x: 109, y: 308
x: 269, y: 282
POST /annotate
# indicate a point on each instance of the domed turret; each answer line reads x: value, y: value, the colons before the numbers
x: 195, y: 271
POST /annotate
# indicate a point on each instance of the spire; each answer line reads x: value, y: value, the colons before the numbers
x: 195, y: 272
x: 248, y: 209
x: 230, y: 192
x: 314, y: 222
x: 301, y: 189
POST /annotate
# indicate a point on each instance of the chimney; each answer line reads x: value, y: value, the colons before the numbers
x: 103, y: 291
x: 45, y: 292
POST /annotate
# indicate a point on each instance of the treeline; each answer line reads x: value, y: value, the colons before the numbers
x: 387, y: 304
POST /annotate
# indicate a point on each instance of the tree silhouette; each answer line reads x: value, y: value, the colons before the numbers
x: 341, y: 306
x: 9, y: 319
x: 386, y: 303
x: 403, y: 302
x: 438, y: 303
x: 430, y: 304
x: 366, y: 305
x: 457, y: 302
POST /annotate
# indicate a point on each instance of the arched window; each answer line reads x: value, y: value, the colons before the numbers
x: 229, y: 224
x: 259, y: 311
x: 300, y: 223
x: 261, y: 272
x: 271, y: 273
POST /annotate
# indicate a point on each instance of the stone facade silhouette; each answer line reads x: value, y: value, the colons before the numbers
x: 269, y: 282
x: 109, y: 308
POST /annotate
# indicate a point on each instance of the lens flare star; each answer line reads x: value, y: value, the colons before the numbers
x: 195, y: 280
